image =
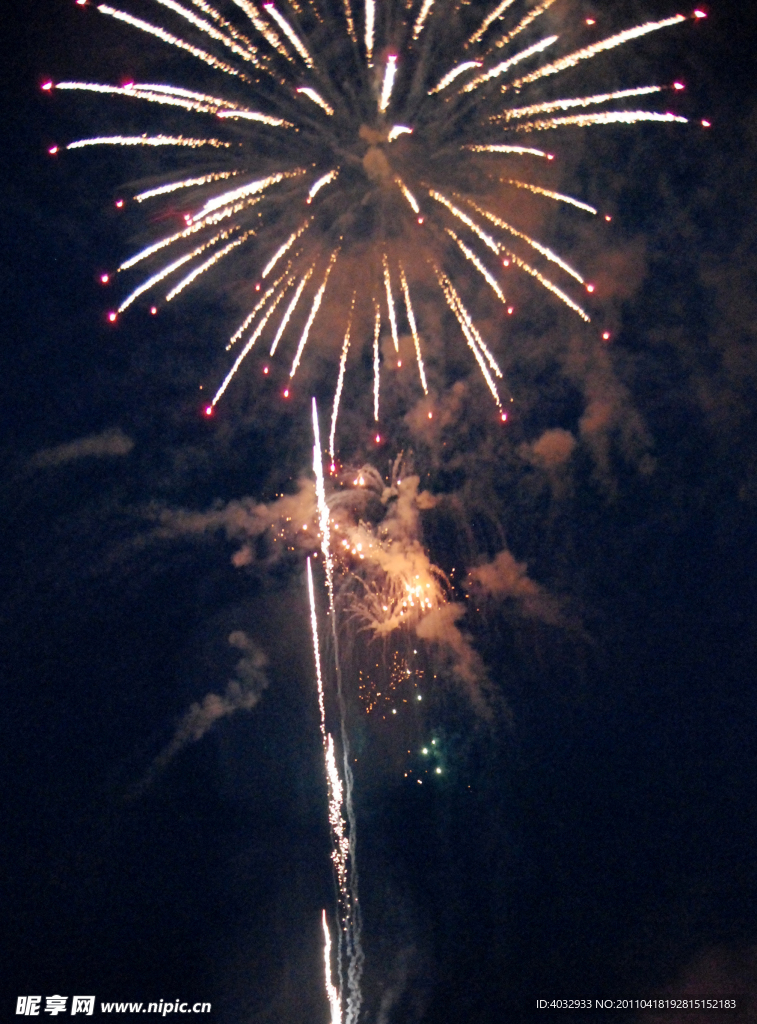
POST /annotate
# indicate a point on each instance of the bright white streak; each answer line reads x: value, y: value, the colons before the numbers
x: 316, y: 651
x: 370, y: 16
x: 463, y: 318
x: 496, y: 148
x: 390, y: 305
x: 263, y: 28
x: 166, y: 37
x: 486, y: 239
x: 376, y: 366
x: 253, y: 338
x: 250, y: 189
x: 148, y: 140
x: 331, y: 992
x: 339, y: 385
x: 386, y: 89
x: 209, y: 262
x: 210, y: 30
x: 251, y: 316
x: 284, y: 249
x: 316, y: 98
x: 557, y: 196
x: 531, y: 16
x: 396, y: 130
x: 290, y: 309
x: 413, y: 329
x: 452, y: 75
x: 289, y: 32
x: 605, y: 117
x: 325, y: 180
x: 500, y: 69
x: 487, y: 276
x: 542, y: 249
x: 313, y: 312
x: 421, y: 19
x: 408, y: 195
x: 549, y: 285
x: 577, y: 101
x: 488, y: 20
x: 233, y: 114
x: 174, y: 186
x: 471, y: 327
x: 323, y: 508
x: 587, y: 52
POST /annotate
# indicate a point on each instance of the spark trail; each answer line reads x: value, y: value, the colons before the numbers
x: 364, y: 163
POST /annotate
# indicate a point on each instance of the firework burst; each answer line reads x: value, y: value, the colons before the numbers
x: 349, y: 162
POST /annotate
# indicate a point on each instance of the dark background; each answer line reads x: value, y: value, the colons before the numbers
x: 598, y: 841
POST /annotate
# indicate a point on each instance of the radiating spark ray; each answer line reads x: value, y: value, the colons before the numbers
x: 576, y: 101
x: 452, y: 75
x: 604, y: 117
x: 557, y: 196
x: 289, y: 32
x: 487, y: 276
x: 461, y: 315
x: 396, y: 130
x: 254, y: 312
x: 537, y: 246
x: 388, y: 84
x: 457, y: 212
x: 473, y: 330
x: 489, y: 20
x: 420, y: 21
x: 313, y: 313
x: 390, y: 304
x: 413, y: 329
x: 322, y: 182
x: 376, y: 366
x: 500, y: 69
x: 588, y: 52
x: 323, y: 508
x: 248, y: 347
x: 340, y: 382
x: 316, y: 97
x: 370, y: 16
x: 524, y: 23
x: 263, y: 28
x: 290, y: 308
x: 283, y: 249
x: 166, y: 37
x: 408, y: 195
x: 174, y: 186
x: 549, y: 285
x: 497, y: 148
x: 234, y: 114
x: 210, y: 30
x: 206, y: 265
x: 350, y: 21
x: 148, y: 140
x: 244, y: 191
x: 331, y: 992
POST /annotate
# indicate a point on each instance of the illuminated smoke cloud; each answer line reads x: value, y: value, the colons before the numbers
x: 506, y: 579
x: 104, y: 445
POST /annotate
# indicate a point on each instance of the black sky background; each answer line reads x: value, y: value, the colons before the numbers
x: 598, y: 842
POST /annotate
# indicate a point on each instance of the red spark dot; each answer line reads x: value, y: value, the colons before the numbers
x: 420, y: 220
x: 503, y: 417
x: 510, y: 310
x: 591, y: 21
x: 309, y: 200
x: 188, y: 218
x: 81, y: 3
x: 46, y: 86
x: 265, y: 369
x: 700, y: 14
x: 112, y: 317
x: 154, y: 310
x: 706, y: 124
x: 505, y: 263
x: 430, y: 415
x: 399, y: 363
x: 104, y: 278
x: 208, y: 410
x: 605, y: 335
x: 257, y: 287
x: 332, y: 468
x: 129, y: 84
x: 52, y: 150
x: 608, y: 218
x: 678, y: 86
x: 550, y: 156
x: 378, y: 438
x: 589, y: 288
x: 119, y: 203
x: 286, y: 392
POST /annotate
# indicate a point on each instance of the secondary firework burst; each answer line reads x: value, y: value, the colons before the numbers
x: 351, y: 161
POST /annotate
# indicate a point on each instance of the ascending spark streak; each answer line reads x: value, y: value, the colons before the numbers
x: 331, y: 992
x: 386, y: 89
x: 376, y: 367
x: 591, y: 51
x: 390, y: 305
x: 413, y: 329
x: 340, y: 383
x: 313, y: 312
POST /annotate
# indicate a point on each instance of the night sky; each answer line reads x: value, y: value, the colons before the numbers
x: 594, y: 834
